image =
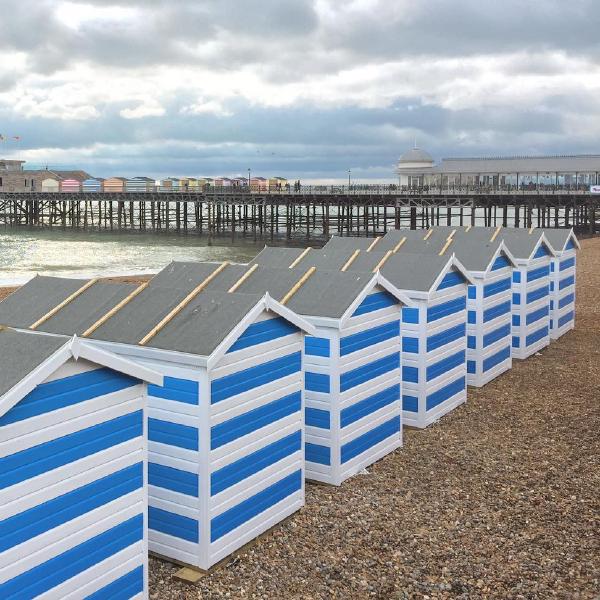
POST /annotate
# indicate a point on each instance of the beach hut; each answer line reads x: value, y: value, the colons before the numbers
x: 259, y: 184
x: 92, y: 185
x: 277, y: 183
x: 115, y: 185
x: 70, y: 186
x: 226, y: 428
x: 50, y: 185
x: 563, y: 275
x: 139, y: 184
x: 352, y: 361
x: 223, y: 182
x: 73, y: 513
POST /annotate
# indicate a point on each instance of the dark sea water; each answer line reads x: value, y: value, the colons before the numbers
x: 25, y: 253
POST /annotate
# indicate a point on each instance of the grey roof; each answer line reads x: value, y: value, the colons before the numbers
x: 205, y: 322
x: 520, y: 242
x: 558, y: 238
x: 409, y: 271
x: 21, y: 353
x: 348, y: 243
x: 474, y: 254
x: 85, y: 310
x: 521, y: 164
x: 415, y: 155
x: 35, y: 299
x: 278, y: 258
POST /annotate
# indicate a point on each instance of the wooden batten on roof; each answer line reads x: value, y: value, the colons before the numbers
x: 399, y: 245
x: 446, y: 245
x: 428, y: 235
x: 531, y: 229
x: 115, y: 309
x: 352, y: 258
x: 243, y: 278
x: 64, y: 303
x: 177, y: 309
x: 382, y: 262
x: 497, y: 233
x: 373, y: 244
x: 302, y: 255
x: 298, y: 285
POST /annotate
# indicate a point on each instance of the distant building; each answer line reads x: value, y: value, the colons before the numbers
x: 14, y: 178
x: 417, y: 169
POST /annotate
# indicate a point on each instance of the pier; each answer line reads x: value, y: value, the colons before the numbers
x: 312, y: 213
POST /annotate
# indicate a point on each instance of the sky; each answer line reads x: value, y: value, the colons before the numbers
x: 303, y: 89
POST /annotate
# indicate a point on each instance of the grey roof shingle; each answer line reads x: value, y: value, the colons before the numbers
x: 558, y: 238
x: 21, y: 353
x: 35, y: 299
x: 277, y: 258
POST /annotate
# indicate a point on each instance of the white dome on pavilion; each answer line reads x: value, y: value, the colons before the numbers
x: 416, y: 155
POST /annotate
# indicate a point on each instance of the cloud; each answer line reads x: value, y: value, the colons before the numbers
x: 302, y: 87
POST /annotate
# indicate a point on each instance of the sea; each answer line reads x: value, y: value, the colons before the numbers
x: 25, y: 253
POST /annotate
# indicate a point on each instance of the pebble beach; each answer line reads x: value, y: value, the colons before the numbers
x: 497, y: 500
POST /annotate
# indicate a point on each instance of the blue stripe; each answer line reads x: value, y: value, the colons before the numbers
x: 173, y: 524
x: 516, y: 276
x: 542, y: 251
x: 315, y: 417
x: 370, y: 337
x: 501, y: 263
x: 552, y: 286
x: 253, y: 506
x: 491, y: 289
x: 317, y: 453
x: 571, y: 245
x: 54, y: 395
x: 71, y: 563
x: 446, y: 337
x: 566, y: 282
x: 471, y: 367
x: 369, y: 405
x: 493, y: 336
x: 410, y: 374
x: 369, y: 371
x: 538, y: 273
x: 516, y: 342
x: 445, y: 393
x: 254, y: 419
x: 536, y: 336
x: 471, y: 342
x: 315, y: 346
x: 251, y: 464
x: 445, y: 365
x: 471, y: 317
x: 57, y: 453
x: 451, y: 279
x: 123, y: 588
x: 566, y: 300
x: 410, y: 315
x: 472, y: 292
x: 516, y: 320
x: 516, y: 299
x: 496, y: 359
x: 536, y: 315
x: 253, y: 377
x: 566, y: 318
x: 179, y: 390
x: 410, y: 344
x: 53, y: 513
x: 446, y: 308
x: 264, y: 331
x: 496, y: 311
x: 375, y: 302
x: 537, y: 294
x: 410, y: 403
x: 176, y: 480
x: 371, y: 438
x: 567, y: 264
x: 552, y: 267
x: 317, y: 382
x: 173, y: 434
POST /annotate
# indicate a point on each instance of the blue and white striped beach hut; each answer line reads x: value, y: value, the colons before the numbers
x: 352, y: 361
x: 563, y: 277
x: 73, y: 483
x: 92, y: 185
x: 226, y: 429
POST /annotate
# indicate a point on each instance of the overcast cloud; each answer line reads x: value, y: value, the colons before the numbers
x: 299, y: 88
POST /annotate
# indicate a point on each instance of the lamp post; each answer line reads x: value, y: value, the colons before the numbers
x: 249, y: 171
x: 349, y: 173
